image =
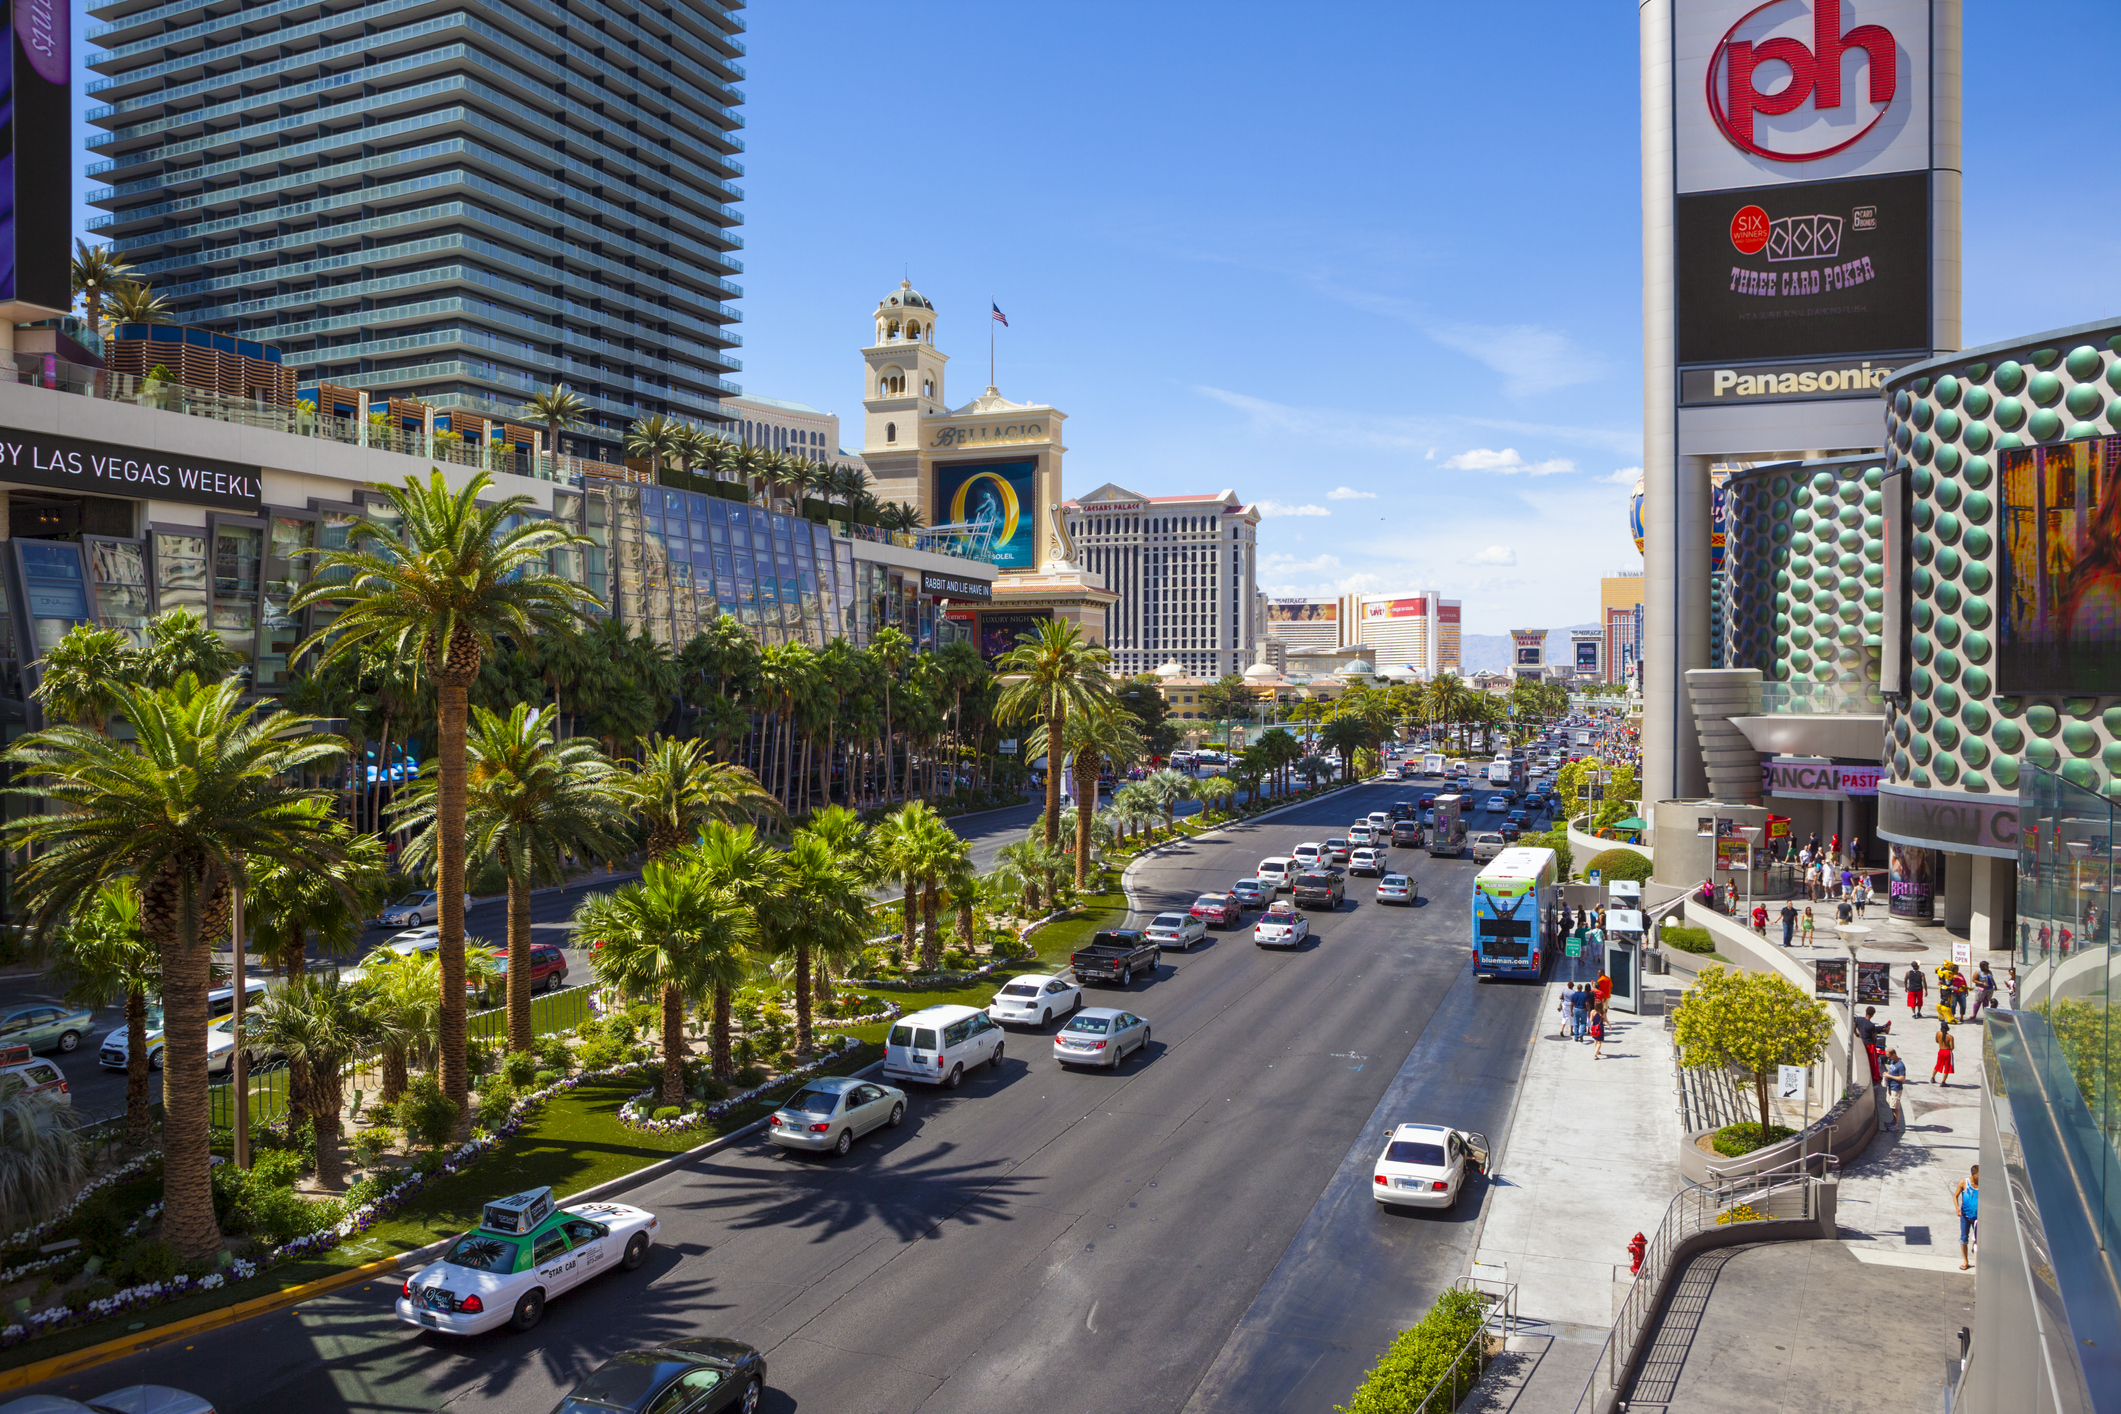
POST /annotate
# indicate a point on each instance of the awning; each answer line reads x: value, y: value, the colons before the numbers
x: 1633, y: 822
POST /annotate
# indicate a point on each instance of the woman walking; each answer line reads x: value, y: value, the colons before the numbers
x: 1598, y: 1031
x: 1942, y: 1073
x: 1804, y: 927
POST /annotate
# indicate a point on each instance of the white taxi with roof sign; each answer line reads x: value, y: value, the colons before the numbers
x: 523, y: 1253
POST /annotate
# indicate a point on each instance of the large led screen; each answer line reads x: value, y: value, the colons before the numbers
x: 35, y: 146
x: 1001, y: 498
x: 2060, y: 589
x: 1810, y: 270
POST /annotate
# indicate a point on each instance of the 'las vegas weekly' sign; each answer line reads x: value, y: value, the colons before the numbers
x: 1810, y: 270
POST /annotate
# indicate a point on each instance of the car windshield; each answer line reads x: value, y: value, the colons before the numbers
x: 1209, y: 901
x: 1391, y: 879
x: 1093, y: 1025
x: 1020, y: 989
x: 815, y: 1102
x: 1169, y: 920
x: 482, y: 1253
x: 1411, y: 1151
x: 410, y: 901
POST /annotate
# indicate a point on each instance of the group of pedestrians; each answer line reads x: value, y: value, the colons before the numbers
x: 1583, y: 1007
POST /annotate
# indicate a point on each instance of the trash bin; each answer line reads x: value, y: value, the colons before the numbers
x: 1653, y: 962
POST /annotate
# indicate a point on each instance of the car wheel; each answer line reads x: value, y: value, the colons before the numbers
x: 1126, y: 976
x: 898, y: 1117
x: 1045, y: 1018
x: 154, y: 1059
x: 996, y: 1059
x: 843, y: 1143
x: 957, y: 1077
x: 68, y: 1041
x: 750, y: 1403
x: 636, y: 1251
x: 529, y: 1311
x: 1145, y: 1040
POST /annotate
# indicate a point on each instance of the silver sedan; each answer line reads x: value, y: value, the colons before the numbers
x: 832, y: 1111
x: 1100, y: 1036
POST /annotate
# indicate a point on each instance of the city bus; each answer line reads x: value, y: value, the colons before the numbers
x: 1447, y: 827
x: 1511, y: 899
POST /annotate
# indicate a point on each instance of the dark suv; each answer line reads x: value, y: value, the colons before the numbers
x: 1320, y: 889
x: 1406, y: 833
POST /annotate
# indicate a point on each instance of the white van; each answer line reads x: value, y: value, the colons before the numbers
x: 1277, y: 873
x: 1308, y: 855
x: 1381, y: 820
x: 939, y: 1045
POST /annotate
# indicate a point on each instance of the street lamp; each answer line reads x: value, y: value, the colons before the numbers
x: 1852, y: 935
x: 1751, y: 835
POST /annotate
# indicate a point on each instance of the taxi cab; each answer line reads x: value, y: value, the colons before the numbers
x: 523, y: 1253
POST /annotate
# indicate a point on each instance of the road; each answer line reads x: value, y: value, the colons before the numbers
x: 1191, y: 1232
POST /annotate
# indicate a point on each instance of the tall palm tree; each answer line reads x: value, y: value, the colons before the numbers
x: 1102, y: 733
x: 734, y: 860
x: 852, y: 850
x: 286, y: 904
x: 180, y: 641
x: 891, y: 650
x: 826, y: 910
x: 323, y: 1024
x: 673, y: 934
x: 529, y: 801
x: 678, y: 787
x: 1057, y: 670
x: 97, y: 271
x: 82, y: 674
x: 104, y: 955
x: 943, y: 856
x: 899, y: 842
x: 132, y: 302
x: 654, y: 437
x: 207, y: 789
x: 559, y: 408
x: 1170, y: 789
x: 434, y: 587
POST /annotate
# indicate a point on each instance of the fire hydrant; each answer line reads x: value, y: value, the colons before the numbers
x: 1637, y: 1249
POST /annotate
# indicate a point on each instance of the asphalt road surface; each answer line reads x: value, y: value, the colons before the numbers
x: 1191, y: 1232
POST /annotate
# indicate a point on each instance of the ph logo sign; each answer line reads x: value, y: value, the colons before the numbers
x: 1757, y: 74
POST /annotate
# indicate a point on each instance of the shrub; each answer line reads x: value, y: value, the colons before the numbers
x: 1694, y: 940
x: 80, y: 1296
x: 647, y: 1017
x: 145, y: 1260
x: 667, y: 1112
x: 366, y: 1191
x: 957, y: 961
x: 485, y: 878
x: 369, y: 1145
x: 280, y: 1215
x: 545, y: 1079
x: 749, y: 1076
x: 519, y: 1068
x: 430, y: 1117
x: 276, y: 1168
x: 493, y: 1104
x: 1614, y: 864
x: 1736, y: 1140
x: 622, y: 1029
x: 593, y: 1029
x: 601, y: 1054
x: 554, y: 1054
x: 1419, y: 1361
x: 482, y: 1056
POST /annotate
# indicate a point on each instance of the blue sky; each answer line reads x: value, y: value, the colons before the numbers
x: 1375, y: 267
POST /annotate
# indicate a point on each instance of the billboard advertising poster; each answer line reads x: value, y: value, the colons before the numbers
x: 1874, y: 984
x: 1395, y: 608
x: 35, y: 141
x: 1001, y: 493
x: 1528, y: 657
x: 1830, y: 979
x: 1587, y: 655
x: 1913, y: 881
x: 2060, y: 594
x: 1302, y: 611
x: 998, y: 629
x: 1809, y: 270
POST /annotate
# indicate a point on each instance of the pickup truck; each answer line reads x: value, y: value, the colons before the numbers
x: 1320, y: 888
x: 1117, y: 955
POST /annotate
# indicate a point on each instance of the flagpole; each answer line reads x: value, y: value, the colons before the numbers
x: 990, y: 349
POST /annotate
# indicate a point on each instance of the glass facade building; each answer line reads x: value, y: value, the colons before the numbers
x: 462, y: 203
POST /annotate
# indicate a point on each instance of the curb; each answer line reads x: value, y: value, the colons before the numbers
x: 90, y: 1356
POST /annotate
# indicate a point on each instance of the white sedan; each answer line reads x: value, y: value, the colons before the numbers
x: 1175, y: 930
x: 1035, y: 999
x: 491, y: 1277
x: 1395, y: 888
x: 831, y: 1112
x: 1426, y: 1165
x: 1281, y: 927
x: 414, y: 909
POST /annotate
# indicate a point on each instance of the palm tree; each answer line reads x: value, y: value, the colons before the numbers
x: 899, y: 516
x: 132, y: 302
x: 1170, y: 789
x: 843, y: 832
x: 1102, y: 734
x: 434, y: 587
x: 180, y: 641
x: 734, y: 860
x: 901, y: 845
x: 82, y: 674
x: 1058, y: 670
x: 97, y: 271
x: 104, y: 955
x: 826, y: 910
x: 323, y: 1024
x: 207, y: 789
x: 559, y: 409
x: 531, y: 802
x: 941, y: 854
x: 41, y: 1164
x: 890, y: 649
x: 678, y: 787
x: 654, y: 437
x: 285, y: 905
x: 407, y: 991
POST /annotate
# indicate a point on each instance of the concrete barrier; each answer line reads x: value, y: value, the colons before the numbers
x: 1583, y: 845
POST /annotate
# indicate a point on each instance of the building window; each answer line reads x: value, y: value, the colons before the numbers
x: 891, y: 432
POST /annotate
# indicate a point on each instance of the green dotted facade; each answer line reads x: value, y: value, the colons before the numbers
x: 1808, y: 607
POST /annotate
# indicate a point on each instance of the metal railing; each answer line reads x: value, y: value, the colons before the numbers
x: 269, y: 1085
x: 1789, y: 1192
x: 549, y: 1012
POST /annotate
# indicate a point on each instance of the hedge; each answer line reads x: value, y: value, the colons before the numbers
x: 1420, y: 1360
x: 1695, y: 940
x: 1614, y: 864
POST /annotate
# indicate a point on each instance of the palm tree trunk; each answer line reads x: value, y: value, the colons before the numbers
x: 802, y: 999
x: 673, y: 1045
x: 449, y: 882
x: 1056, y: 723
x: 187, y: 1186
x: 139, y: 1124
x: 824, y: 980
x: 393, y: 1074
x: 375, y: 786
x: 329, y: 1098
x: 301, y: 1096
x: 911, y: 936
x: 520, y: 1036
x: 720, y: 1034
x: 1085, y: 810
x: 932, y: 943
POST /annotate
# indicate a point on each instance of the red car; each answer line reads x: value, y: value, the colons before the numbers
x: 1217, y: 911
x: 548, y: 971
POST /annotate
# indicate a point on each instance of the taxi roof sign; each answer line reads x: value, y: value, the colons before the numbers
x: 518, y: 1213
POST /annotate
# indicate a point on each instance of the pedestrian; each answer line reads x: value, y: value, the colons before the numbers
x: 1789, y: 921
x: 1602, y: 990
x: 1811, y: 845
x: 1872, y: 1034
x: 1844, y: 912
x: 1834, y: 850
x: 1730, y: 897
x: 1966, y: 1201
x: 1855, y: 851
x: 2010, y: 991
x: 1895, y: 1077
x: 1916, y: 984
x: 1944, y: 991
x: 1959, y: 992
x: 1760, y: 919
x: 1984, y: 992
x: 1941, y: 1073
x: 1848, y: 881
x: 1561, y: 1006
x: 1863, y: 896
x: 1804, y: 926
x: 1579, y: 1012
x: 1598, y: 1032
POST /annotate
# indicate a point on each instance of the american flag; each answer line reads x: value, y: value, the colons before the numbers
x: 1000, y: 317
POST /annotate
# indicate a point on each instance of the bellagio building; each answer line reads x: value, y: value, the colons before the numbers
x: 1184, y: 568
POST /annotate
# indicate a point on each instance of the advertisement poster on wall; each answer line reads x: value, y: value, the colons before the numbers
x: 1830, y: 979
x: 1913, y: 881
x: 1874, y: 983
x: 998, y: 630
x: 1001, y: 495
x: 1302, y: 611
x: 2060, y: 594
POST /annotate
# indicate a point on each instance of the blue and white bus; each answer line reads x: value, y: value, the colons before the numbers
x: 1511, y: 897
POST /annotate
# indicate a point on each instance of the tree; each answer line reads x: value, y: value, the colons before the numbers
x: 97, y: 270
x: 844, y: 834
x: 914, y: 846
x: 104, y: 956
x: 826, y: 910
x: 1228, y: 698
x: 407, y: 991
x: 435, y: 586
x: 673, y: 934
x: 1282, y: 750
x: 678, y: 787
x: 207, y: 790
x: 1755, y: 1021
x: 41, y: 1164
x: 83, y: 672
x: 1169, y: 789
x: 322, y: 1024
x: 891, y: 650
x: 132, y: 302
x: 654, y: 437
x: 1100, y: 735
x: 1140, y: 697
x: 559, y: 409
x: 530, y: 802
x: 1345, y: 736
x: 286, y: 904
x: 1059, y: 670
x: 733, y: 859
x: 180, y: 641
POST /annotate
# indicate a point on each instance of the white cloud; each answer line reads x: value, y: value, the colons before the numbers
x: 1624, y: 477
x: 1507, y: 463
x: 1529, y: 358
x: 1283, y: 508
x: 1493, y: 555
x: 1348, y: 493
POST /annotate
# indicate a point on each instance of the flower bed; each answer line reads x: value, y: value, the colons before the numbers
x: 891, y: 1012
x: 635, y: 1113
x: 922, y: 981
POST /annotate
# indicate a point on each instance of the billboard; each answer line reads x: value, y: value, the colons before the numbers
x: 1302, y: 611
x: 1417, y: 608
x: 2060, y: 591
x: 1587, y: 653
x: 1003, y: 494
x: 1446, y: 613
x: 998, y: 630
x: 36, y: 137
x: 1811, y: 270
